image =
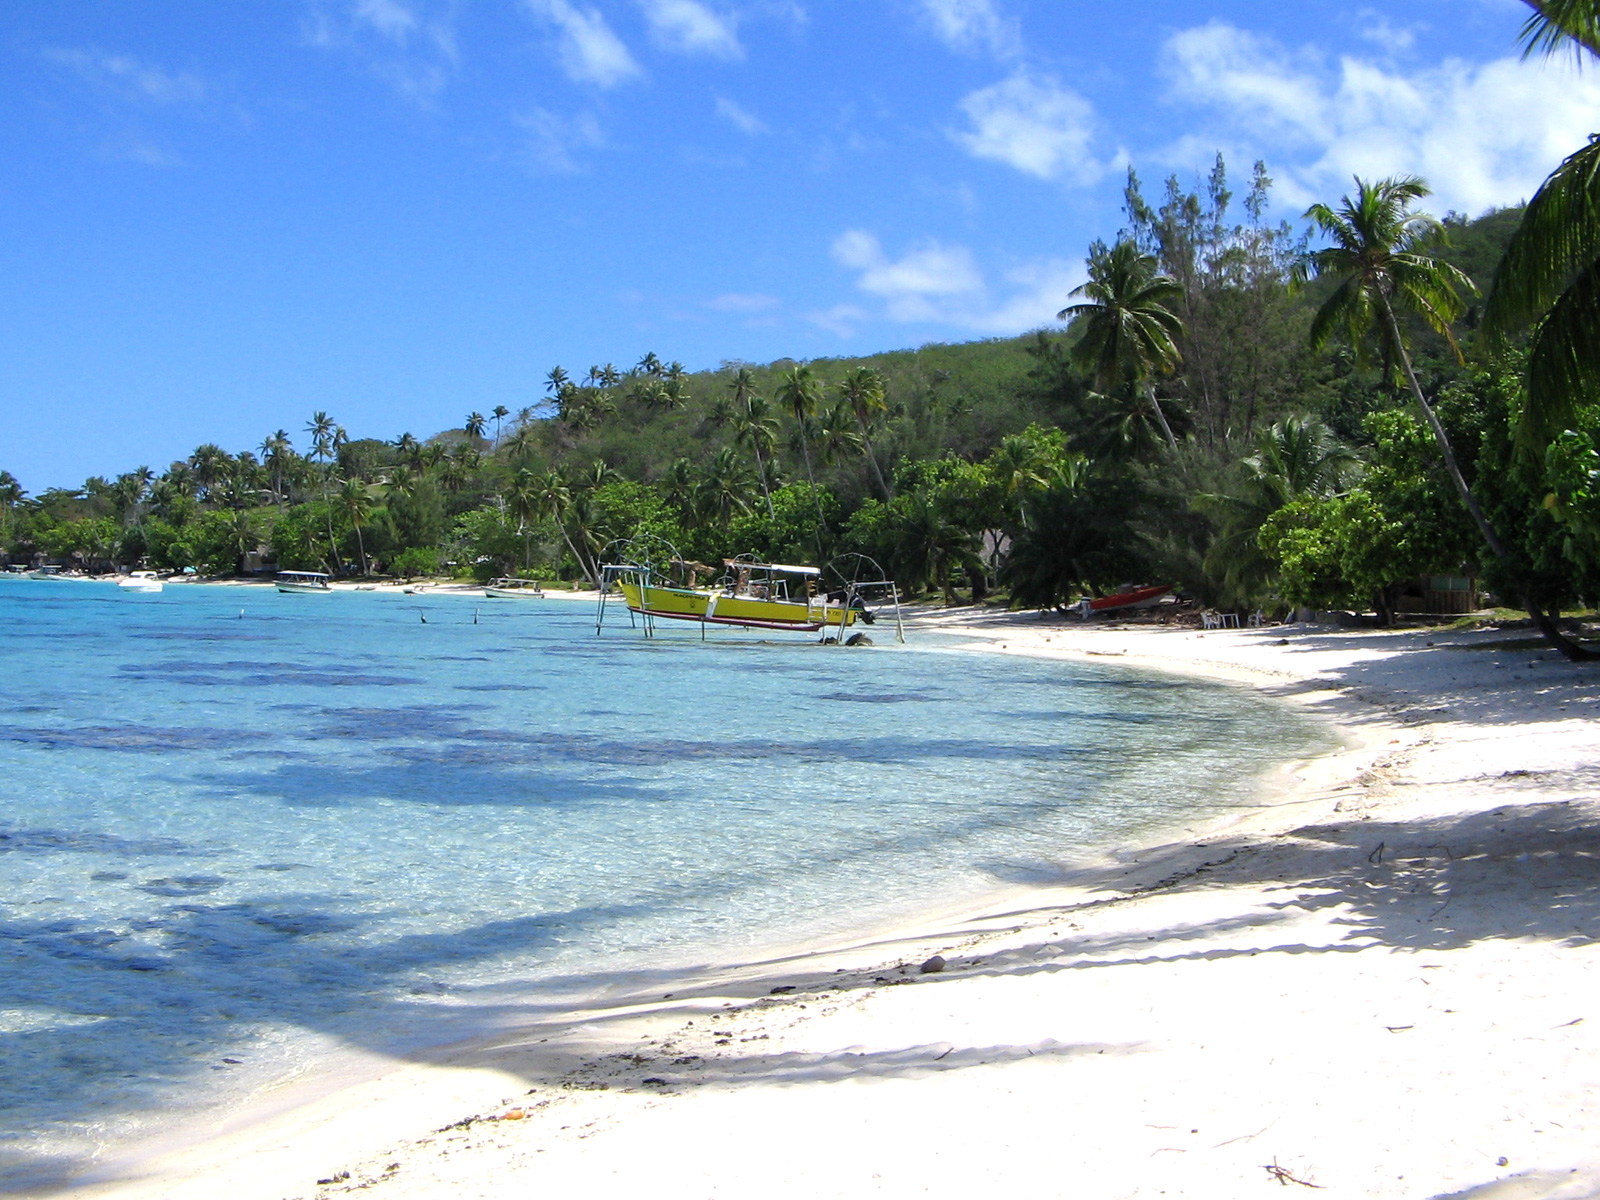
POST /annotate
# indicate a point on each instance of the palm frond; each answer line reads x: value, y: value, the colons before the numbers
x: 1559, y: 234
x: 1561, y: 25
x: 1563, y: 362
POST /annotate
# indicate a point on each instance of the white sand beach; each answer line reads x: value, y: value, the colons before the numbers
x: 1384, y: 981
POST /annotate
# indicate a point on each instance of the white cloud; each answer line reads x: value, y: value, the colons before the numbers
x: 589, y: 51
x: 1037, y: 125
x: 938, y: 284
x: 409, y: 44
x: 741, y: 119
x: 841, y: 320
x: 1481, y: 134
x: 133, y: 79
x: 1377, y: 29
x: 690, y: 27
x: 743, y: 302
x: 973, y: 25
x: 554, y: 141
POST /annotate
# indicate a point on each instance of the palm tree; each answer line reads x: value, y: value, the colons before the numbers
x: 357, y: 507
x: 723, y: 487
x: 1376, y: 255
x: 324, y: 434
x: 11, y: 495
x: 555, y: 381
x: 555, y: 501
x: 837, y: 437
x: 650, y: 364
x: 799, y: 391
x: 862, y: 389
x: 1127, y: 329
x: 1298, y: 457
x: 1550, y: 274
x: 475, y: 426
x: 523, y: 499
x: 521, y: 442
x: 754, y: 427
x: 275, y: 453
x: 499, y: 413
x: 211, y: 464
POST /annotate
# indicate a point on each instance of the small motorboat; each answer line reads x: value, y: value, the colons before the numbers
x: 140, y: 581
x: 514, y: 589
x: 305, y: 583
x: 1143, y: 597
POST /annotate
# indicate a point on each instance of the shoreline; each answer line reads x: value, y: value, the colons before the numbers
x: 649, y: 1078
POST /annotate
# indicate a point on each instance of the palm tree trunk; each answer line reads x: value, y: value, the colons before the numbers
x: 761, y: 473
x: 805, y: 452
x: 1541, y: 619
x: 866, y: 444
x: 361, y: 546
x: 1161, y: 417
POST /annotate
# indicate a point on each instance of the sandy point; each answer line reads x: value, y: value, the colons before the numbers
x: 1383, y: 981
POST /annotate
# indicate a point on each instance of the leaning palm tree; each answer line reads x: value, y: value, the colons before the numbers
x: 555, y: 500
x: 799, y: 390
x: 1375, y: 254
x: 1550, y: 274
x: 1128, y: 331
x: 862, y: 389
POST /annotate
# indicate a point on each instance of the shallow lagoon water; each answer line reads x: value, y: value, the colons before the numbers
x: 240, y: 827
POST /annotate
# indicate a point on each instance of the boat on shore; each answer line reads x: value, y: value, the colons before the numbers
x: 1128, y: 597
x: 309, y: 583
x: 45, y: 573
x: 513, y: 589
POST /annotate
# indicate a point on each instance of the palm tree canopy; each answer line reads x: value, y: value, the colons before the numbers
x: 1127, y: 327
x: 799, y: 390
x: 1561, y: 24
x: 1376, y: 251
x: 1550, y: 274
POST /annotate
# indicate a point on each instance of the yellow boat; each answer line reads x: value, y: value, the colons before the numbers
x: 756, y: 595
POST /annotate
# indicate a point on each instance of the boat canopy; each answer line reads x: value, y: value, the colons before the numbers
x: 302, y: 575
x: 745, y: 565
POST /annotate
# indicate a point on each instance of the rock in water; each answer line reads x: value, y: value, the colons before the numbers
x: 933, y: 966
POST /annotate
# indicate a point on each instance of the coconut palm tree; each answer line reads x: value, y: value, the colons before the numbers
x: 523, y: 499
x: 500, y: 412
x: 211, y: 464
x: 275, y: 454
x: 324, y: 441
x: 862, y: 389
x: 1549, y: 276
x: 837, y: 436
x: 650, y: 364
x: 754, y: 426
x: 723, y: 489
x: 799, y: 390
x: 555, y: 501
x: 356, y: 505
x: 555, y: 381
x: 11, y: 495
x: 1128, y: 331
x: 474, y: 427
x: 1377, y: 239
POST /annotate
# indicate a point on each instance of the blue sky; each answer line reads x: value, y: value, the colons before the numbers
x: 216, y: 218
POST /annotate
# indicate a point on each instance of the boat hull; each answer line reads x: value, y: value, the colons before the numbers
x: 713, y: 608
x: 141, y: 586
x: 305, y: 589
x: 513, y: 593
x: 1138, y: 598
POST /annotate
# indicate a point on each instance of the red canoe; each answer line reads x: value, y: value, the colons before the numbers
x: 1137, y: 598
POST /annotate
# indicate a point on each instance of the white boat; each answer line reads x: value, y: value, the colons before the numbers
x: 303, y: 582
x: 514, y: 589
x: 140, y: 581
x: 45, y: 573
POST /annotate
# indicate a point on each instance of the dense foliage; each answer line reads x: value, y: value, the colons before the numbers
x: 1211, y: 414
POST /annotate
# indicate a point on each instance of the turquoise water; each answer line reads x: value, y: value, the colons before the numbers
x: 246, y: 826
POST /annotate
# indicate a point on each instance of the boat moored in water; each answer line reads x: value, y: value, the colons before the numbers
x: 750, y: 594
x: 303, y: 582
x: 140, y: 581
